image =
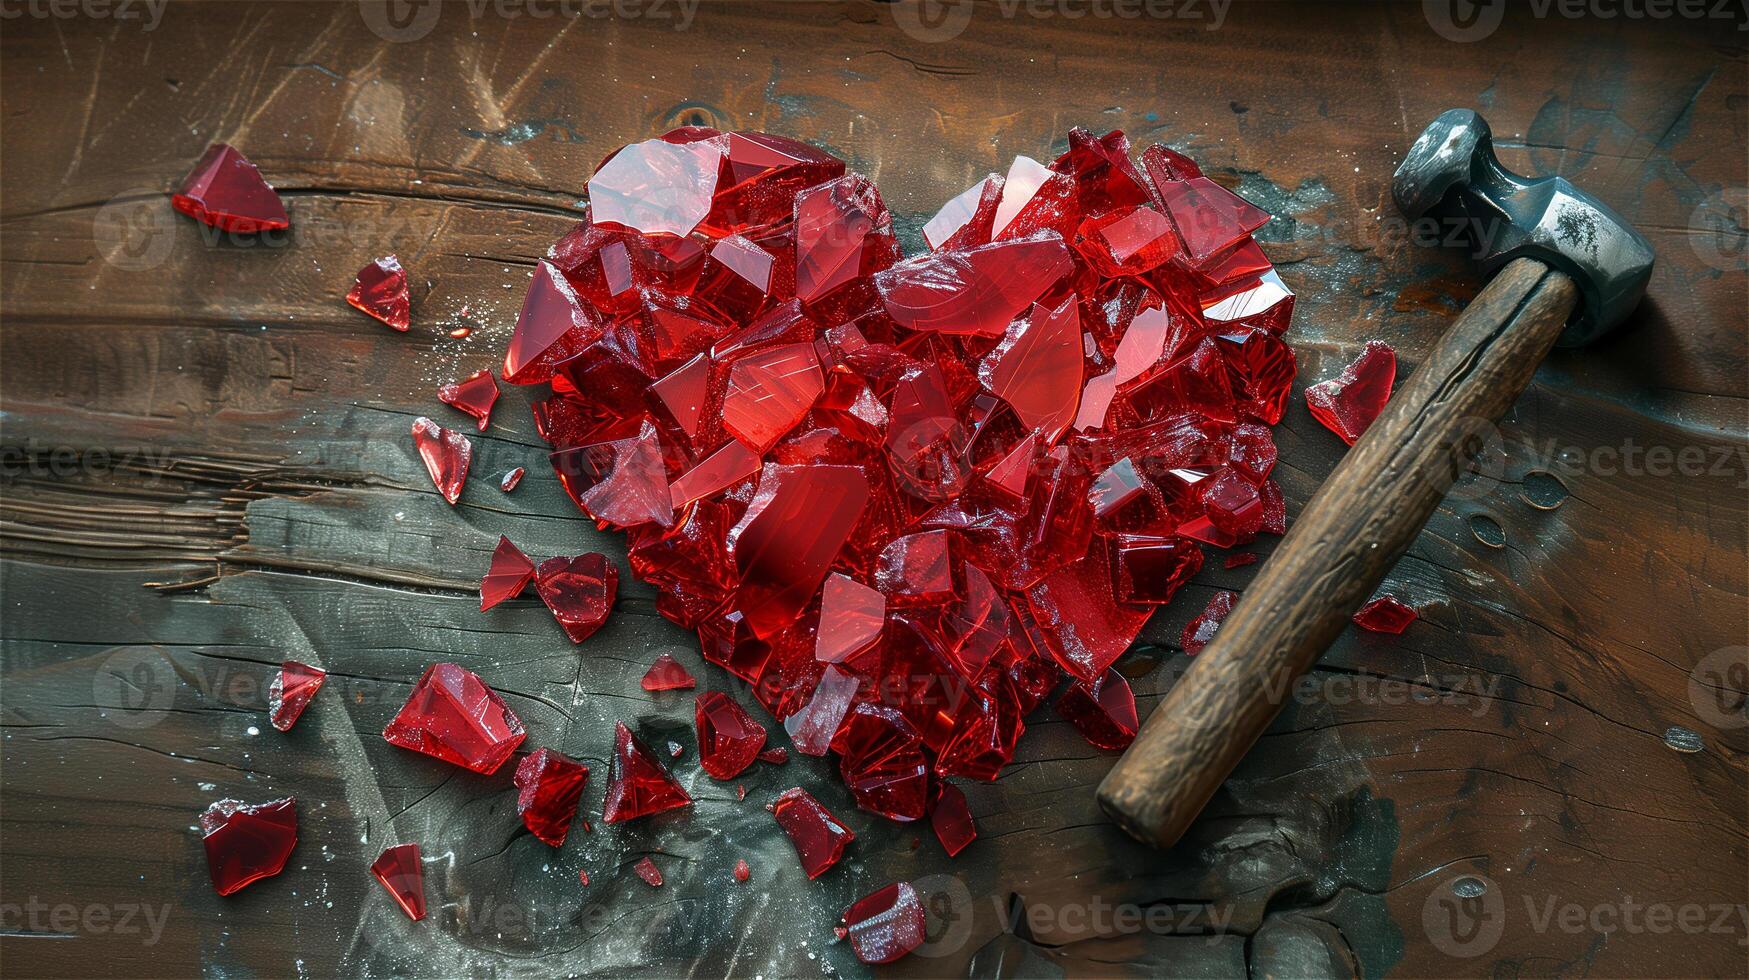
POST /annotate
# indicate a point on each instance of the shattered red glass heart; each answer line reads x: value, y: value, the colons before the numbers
x: 900, y: 497
x: 245, y: 843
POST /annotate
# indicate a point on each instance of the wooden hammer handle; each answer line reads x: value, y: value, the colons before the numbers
x: 1353, y: 530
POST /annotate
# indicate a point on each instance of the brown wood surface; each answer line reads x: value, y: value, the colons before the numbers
x: 1334, y: 557
x: 207, y: 470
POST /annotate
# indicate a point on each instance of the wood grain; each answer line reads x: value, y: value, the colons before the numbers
x: 235, y: 428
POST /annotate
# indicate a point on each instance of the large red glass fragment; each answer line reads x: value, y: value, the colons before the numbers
x: 579, y: 591
x: 226, y: 191
x: 977, y: 291
x: 1208, y: 217
x: 818, y: 837
x: 380, y: 291
x: 291, y: 690
x: 881, y: 760
x: 1348, y: 403
x: 851, y: 616
x: 1386, y: 614
x: 619, y: 482
x: 474, y: 394
x: 667, y: 674
x: 245, y: 843
x: 548, y: 786
x: 812, y: 726
x: 638, y: 785
x: 1037, y: 369
x: 886, y: 925
x: 399, y: 871
x: 446, y: 455
x: 656, y: 187
x: 452, y: 715
x: 769, y: 391
x: 728, y: 737
x: 509, y: 572
x: 787, y: 540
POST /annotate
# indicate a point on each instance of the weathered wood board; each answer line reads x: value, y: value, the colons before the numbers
x: 207, y: 470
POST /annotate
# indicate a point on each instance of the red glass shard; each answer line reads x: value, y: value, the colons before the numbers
x: 399, y: 870
x: 509, y: 571
x: 675, y: 750
x: 776, y: 755
x: 1239, y: 560
x: 1084, y: 626
x: 881, y: 760
x: 656, y: 187
x: 619, y: 482
x: 976, y: 291
x: 647, y: 870
x: 818, y: 836
x: 725, y: 468
x: 247, y: 842
x: 886, y: 925
x: 851, y: 616
x: 380, y: 291
x: 1037, y: 369
x: 452, y: 715
x: 1010, y: 473
x: 1348, y: 403
x: 548, y: 786
x: 1264, y: 367
x: 579, y: 591
x: 918, y: 569
x: 1251, y: 452
x: 667, y: 674
x: 583, y: 877
x: 742, y: 872
x: 1034, y: 197
x: 474, y: 395
x: 1149, y: 569
x: 1386, y: 614
x: 511, y: 479
x: 291, y: 690
x: 1104, y: 713
x: 961, y: 214
x: 791, y: 532
x: 1199, y: 631
x: 951, y: 819
x: 638, y: 785
x: 843, y: 234
x: 769, y: 391
x: 1232, y: 504
x: 446, y: 455
x: 1105, y: 179
x: 1126, y: 243
x: 812, y: 726
x: 226, y: 191
x: 728, y: 737
x: 1208, y: 217
x: 552, y: 321
x: 684, y: 392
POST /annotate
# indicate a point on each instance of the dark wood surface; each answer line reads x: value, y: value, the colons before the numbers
x: 208, y: 471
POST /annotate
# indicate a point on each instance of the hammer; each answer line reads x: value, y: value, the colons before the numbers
x: 1567, y: 270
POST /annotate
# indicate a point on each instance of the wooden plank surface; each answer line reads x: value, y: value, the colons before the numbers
x: 207, y: 471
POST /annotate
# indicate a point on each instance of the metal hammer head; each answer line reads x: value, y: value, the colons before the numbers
x: 1451, y: 174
